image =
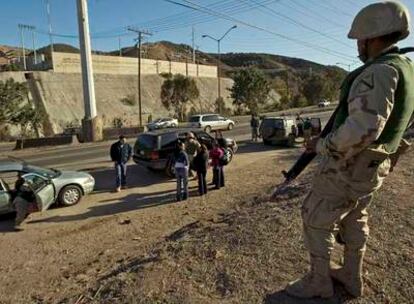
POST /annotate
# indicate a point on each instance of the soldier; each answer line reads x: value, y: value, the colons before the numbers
x: 376, y: 103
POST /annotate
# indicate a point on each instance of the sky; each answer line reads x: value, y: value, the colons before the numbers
x: 311, y: 29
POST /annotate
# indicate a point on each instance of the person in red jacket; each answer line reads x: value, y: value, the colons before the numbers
x: 218, y: 175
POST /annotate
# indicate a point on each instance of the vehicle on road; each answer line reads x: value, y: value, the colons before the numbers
x: 49, y: 185
x: 284, y: 131
x: 323, y: 103
x: 209, y: 122
x: 162, y: 123
x: 155, y: 149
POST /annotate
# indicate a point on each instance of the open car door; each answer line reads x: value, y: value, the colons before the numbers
x: 43, y: 189
x: 5, y: 198
x: 316, y: 126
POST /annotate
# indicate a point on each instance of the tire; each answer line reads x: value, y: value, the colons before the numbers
x: 169, y: 169
x: 230, y: 126
x: 207, y: 129
x: 231, y: 155
x: 70, y: 195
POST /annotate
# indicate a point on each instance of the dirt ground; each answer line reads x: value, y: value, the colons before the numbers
x: 234, y: 246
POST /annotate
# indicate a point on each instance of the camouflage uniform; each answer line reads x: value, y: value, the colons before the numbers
x: 355, y: 161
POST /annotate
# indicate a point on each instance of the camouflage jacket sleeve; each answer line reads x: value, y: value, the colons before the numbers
x: 370, y: 103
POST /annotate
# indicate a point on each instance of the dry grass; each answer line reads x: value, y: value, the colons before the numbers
x: 248, y: 254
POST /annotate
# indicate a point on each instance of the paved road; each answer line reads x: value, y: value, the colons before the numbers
x: 95, y: 155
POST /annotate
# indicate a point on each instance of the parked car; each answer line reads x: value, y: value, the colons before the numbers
x: 209, y: 122
x: 49, y: 185
x: 155, y: 149
x: 161, y: 123
x: 323, y: 103
x: 284, y: 131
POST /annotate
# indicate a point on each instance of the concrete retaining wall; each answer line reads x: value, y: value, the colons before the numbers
x: 116, y: 65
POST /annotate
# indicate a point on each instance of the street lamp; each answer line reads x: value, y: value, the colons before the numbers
x: 219, y: 55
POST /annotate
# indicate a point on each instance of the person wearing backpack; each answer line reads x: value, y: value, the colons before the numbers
x: 181, y: 166
x: 216, y: 155
x: 201, y: 166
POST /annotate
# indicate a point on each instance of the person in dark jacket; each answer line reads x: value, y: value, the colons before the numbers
x: 23, y: 196
x: 254, y: 124
x: 121, y: 153
x: 181, y: 166
x: 201, y: 166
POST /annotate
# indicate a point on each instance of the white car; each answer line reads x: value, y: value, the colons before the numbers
x: 162, y: 123
x: 209, y: 122
x: 323, y: 103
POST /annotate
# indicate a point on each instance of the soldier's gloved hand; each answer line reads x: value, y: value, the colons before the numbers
x: 311, y: 144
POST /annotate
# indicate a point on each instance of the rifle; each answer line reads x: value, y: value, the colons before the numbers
x: 307, y: 156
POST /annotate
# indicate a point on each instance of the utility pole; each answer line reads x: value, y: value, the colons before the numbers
x: 34, y: 46
x: 90, y: 123
x: 219, y: 57
x: 119, y: 45
x: 49, y: 21
x: 193, y: 43
x: 139, y: 42
x: 21, y: 27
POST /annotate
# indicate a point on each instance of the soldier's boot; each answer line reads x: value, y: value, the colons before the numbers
x: 317, y: 283
x: 350, y: 275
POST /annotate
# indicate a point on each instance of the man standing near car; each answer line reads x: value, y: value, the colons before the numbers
x: 191, y: 147
x: 121, y: 153
x: 375, y: 107
x: 254, y: 124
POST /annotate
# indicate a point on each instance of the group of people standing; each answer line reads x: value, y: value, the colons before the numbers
x: 193, y: 156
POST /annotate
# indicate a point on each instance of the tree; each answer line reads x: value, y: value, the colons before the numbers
x: 250, y: 89
x: 315, y: 88
x: 14, y: 110
x: 176, y: 91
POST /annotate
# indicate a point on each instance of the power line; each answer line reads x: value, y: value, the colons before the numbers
x: 271, y: 11
x: 332, y: 8
x: 197, y: 7
x: 316, y: 14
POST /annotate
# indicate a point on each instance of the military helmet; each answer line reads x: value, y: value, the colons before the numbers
x: 380, y: 19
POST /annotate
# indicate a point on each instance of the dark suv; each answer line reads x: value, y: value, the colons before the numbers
x: 155, y: 149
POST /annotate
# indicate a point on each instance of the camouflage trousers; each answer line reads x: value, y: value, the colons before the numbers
x: 22, y: 210
x: 338, y: 202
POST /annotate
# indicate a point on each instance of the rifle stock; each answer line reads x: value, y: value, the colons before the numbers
x: 306, y: 157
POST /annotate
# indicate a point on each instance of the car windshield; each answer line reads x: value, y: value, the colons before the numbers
x: 147, y: 142
x: 158, y: 120
x: 274, y: 123
x: 194, y: 119
x: 47, y: 173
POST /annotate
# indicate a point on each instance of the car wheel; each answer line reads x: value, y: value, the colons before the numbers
x: 230, y: 126
x: 169, y: 169
x: 70, y: 195
x: 231, y: 154
x: 207, y: 129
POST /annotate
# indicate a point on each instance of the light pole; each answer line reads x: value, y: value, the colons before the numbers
x: 219, y: 56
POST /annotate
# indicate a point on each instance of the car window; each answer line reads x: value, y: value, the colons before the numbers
x: 210, y: 118
x: 147, y: 142
x: 35, y: 181
x: 194, y: 119
x: 273, y: 123
x: 221, y: 118
x: 168, y: 140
